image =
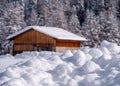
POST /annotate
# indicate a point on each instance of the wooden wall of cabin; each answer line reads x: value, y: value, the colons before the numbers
x: 32, y: 40
x: 67, y: 43
x: 62, y: 45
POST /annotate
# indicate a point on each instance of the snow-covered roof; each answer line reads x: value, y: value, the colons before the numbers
x: 54, y: 32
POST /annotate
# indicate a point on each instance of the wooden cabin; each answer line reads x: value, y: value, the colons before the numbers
x: 41, y: 38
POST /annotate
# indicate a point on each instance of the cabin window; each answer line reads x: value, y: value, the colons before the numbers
x: 43, y: 47
x: 46, y: 48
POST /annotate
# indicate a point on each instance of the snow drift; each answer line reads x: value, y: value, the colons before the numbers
x: 85, y: 67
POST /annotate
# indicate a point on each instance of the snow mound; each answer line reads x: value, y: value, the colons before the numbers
x: 112, y: 47
x: 91, y: 66
x: 79, y: 58
x: 95, y: 53
x: 85, y: 67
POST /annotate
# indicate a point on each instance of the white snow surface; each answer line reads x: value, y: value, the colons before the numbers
x: 54, y: 32
x: 85, y: 67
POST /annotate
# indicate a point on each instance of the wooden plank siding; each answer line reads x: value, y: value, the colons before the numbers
x: 62, y: 45
x: 23, y: 47
x: 61, y: 49
x: 67, y: 43
x: 27, y: 40
x: 33, y: 37
x: 26, y: 37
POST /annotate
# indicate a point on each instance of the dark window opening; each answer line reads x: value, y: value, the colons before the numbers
x: 43, y: 47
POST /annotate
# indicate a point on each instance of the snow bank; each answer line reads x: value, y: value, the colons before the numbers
x: 85, y: 67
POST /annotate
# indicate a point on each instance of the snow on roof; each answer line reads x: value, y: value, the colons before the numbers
x: 54, y: 32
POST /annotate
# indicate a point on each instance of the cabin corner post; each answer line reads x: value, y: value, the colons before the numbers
x: 13, y: 52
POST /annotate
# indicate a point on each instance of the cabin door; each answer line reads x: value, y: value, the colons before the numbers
x: 35, y: 48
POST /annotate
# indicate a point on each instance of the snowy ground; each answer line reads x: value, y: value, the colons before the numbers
x: 85, y: 67
x: 7, y: 60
